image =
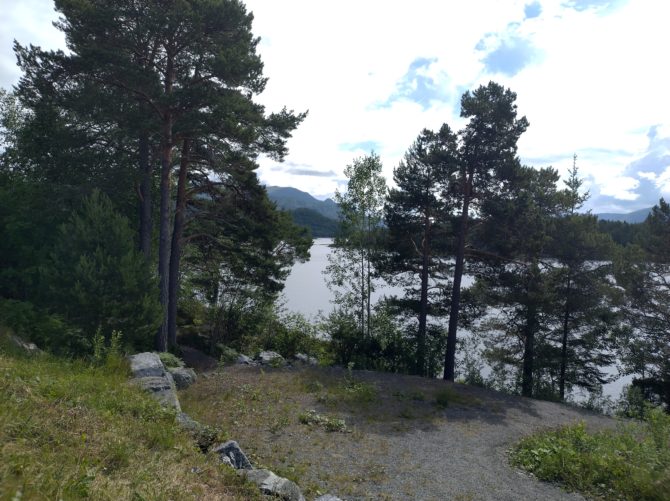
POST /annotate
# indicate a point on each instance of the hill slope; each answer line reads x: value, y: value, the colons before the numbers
x: 73, y: 431
x: 289, y: 199
x: 634, y: 217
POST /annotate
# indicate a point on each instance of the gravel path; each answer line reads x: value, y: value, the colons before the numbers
x: 401, y: 448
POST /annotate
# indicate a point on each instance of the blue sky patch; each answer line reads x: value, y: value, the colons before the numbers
x: 511, y: 57
x: 532, y: 10
x: 605, y: 5
x: 416, y: 86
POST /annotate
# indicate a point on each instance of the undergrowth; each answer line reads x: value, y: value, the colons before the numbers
x: 73, y: 430
x: 630, y: 463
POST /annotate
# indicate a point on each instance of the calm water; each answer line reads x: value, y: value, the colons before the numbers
x: 306, y: 292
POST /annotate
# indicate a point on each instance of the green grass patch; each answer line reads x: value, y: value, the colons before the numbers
x: 630, y: 463
x: 70, y: 430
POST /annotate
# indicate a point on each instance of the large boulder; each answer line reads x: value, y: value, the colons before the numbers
x: 146, y: 365
x: 273, y: 485
x: 271, y: 358
x: 231, y: 453
x: 183, y: 376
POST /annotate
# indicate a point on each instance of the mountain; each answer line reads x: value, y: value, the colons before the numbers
x: 320, y: 225
x: 637, y: 216
x: 291, y: 199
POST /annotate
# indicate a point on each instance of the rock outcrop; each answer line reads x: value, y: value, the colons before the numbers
x: 150, y: 375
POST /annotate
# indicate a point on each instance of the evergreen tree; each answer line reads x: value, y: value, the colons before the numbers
x: 488, y: 146
x: 584, y: 295
x: 97, y: 280
x: 416, y: 216
x: 516, y: 226
x: 192, y: 66
x: 643, y: 272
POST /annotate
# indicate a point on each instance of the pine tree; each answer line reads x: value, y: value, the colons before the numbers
x: 416, y: 216
x: 643, y: 271
x: 488, y: 146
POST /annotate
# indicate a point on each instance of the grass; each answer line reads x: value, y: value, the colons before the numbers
x: 630, y: 463
x: 69, y: 430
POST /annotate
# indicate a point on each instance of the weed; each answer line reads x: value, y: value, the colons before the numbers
x: 329, y: 424
x: 442, y: 398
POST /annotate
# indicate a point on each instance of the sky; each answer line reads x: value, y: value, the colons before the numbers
x: 591, y: 76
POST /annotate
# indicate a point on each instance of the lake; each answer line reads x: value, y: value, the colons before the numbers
x: 306, y: 292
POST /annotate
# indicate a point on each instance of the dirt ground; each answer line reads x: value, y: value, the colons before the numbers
x: 402, y: 437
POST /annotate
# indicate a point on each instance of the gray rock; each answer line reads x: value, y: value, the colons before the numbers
x: 273, y: 485
x: 244, y: 360
x: 25, y: 346
x: 161, y: 388
x: 187, y: 423
x: 183, y: 376
x: 306, y: 359
x: 146, y: 364
x: 232, y: 451
x: 327, y: 497
x: 270, y: 358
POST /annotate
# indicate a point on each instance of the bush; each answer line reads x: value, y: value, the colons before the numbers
x: 631, y: 463
x: 48, y: 331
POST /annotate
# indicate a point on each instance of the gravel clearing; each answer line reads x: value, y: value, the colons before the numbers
x: 399, y: 444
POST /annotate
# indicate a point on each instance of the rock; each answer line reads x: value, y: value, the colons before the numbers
x: 231, y: 450
x: 244, y: 360
x: 25, y: 346
x: 327, y: 497
x: 306, y: 359
x: 146, y: 364
x: 273, y: 485
x: 271, y: 358
x: 183, y: 376
x: 161, y: 388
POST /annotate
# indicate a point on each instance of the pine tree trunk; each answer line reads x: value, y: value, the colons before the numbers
x: 164, y: 217
x: 450, y: 357
x: 564, y: 342
x: 423, y: 302
x: 145, y: 195
x: 529, y: 334
x: 164, y: 236
x: 175, y: 251
x: 528, y: 354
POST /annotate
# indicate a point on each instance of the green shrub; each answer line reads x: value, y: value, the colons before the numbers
x: 170, y: 360
x: 227, y: 355
x: 631, y: 463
